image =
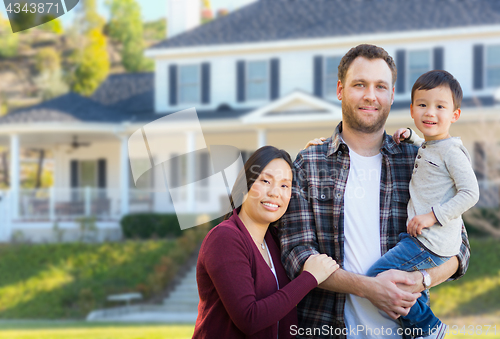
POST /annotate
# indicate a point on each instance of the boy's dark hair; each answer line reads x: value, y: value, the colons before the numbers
x: 369, y: 52
x: 436, y: 78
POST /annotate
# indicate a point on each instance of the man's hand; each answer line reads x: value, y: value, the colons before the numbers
x: 419, y: 222
x: 385, y: 295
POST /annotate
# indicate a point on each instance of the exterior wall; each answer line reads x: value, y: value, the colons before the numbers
x: 296, y: 67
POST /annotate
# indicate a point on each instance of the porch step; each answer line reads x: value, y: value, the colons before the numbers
x: 181, y: 306
x: 184, y: 298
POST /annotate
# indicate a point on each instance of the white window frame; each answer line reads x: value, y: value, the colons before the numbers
x: 180, y: 86
x: 409, y: 82
x: 247, y: 80
x: 486, y: 67
x: 325, y: 78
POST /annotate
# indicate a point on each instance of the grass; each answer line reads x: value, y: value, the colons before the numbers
x: 478, y: 292
x: 84, y: 330
x: 68, y: 280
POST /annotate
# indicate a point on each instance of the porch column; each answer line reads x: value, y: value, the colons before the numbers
x: 191, y: 167
x: 262, y: 138
x: 14, y: 174
x: 124, y: 175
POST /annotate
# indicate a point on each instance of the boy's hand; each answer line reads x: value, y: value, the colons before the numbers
x: 400, y: 135
x: 317, y: 141
x: 419, y: 222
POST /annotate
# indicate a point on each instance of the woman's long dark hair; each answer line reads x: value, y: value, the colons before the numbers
x: 251, y: 171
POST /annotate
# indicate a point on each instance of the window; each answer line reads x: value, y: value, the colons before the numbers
x: 493, y: 66
x: 331, y: 75
x: 419, y: 62
x: 189, y: 84
x: 257, y: 80
x: 88, y: 173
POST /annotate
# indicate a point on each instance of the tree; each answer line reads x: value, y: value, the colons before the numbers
x: 125, y: 26
x: 8, y: 41
x: 93, y: 66
x: 91, y: 62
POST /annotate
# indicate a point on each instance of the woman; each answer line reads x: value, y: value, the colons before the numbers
x: 243, y: 287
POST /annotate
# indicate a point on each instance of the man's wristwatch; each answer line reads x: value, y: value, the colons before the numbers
x: 426, y: 281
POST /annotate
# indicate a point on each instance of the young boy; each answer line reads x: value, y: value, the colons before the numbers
x: 442, y: 187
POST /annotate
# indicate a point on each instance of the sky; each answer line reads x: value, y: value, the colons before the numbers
x: 151, y: 9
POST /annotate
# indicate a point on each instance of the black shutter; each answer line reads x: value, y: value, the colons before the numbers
x: 240, y: 81
x: 439, y: 58
x: 401, y: 65
x: 174, y: 171
x: 172, y: 76
x: 318, y: 76
x: 275, y: 78
x: 205, y: 83
x: 74, y: 173
x: 478, y: 67
x: 101, y: 173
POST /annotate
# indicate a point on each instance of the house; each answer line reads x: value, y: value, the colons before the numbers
x: 265, y: 74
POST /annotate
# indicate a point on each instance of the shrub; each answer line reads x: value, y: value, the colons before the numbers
x: 149, y: 225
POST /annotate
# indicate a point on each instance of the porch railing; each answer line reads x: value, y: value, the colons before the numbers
x: 62, y: 204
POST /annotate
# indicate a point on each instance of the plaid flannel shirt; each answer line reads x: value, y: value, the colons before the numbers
x: 314, y: 221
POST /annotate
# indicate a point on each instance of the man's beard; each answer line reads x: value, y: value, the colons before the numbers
x: 351, y: 118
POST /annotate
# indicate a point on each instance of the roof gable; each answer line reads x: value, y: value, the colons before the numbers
x: 294, y: 107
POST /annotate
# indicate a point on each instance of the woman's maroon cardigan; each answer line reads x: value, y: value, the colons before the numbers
x: 238, y: 293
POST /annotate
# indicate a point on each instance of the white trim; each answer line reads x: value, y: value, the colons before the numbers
x: 259, y: 115
x: 241, y: 48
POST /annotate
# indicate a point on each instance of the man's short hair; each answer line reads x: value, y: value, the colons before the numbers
x: 436, y: 78
x: 369, y: 52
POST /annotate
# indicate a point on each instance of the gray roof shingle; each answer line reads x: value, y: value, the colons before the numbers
x: 272, y: 20
x: 69, y: 107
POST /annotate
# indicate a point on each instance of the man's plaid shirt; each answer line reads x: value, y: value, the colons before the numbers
x: 314, y: 221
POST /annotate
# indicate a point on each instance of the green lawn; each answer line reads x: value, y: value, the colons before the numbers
x: 84, y: 330
x: 478, y: 292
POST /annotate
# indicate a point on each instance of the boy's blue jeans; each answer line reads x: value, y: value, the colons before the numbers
x: 408, y: 255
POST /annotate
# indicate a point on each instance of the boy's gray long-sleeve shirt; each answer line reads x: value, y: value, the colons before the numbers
x: 444, y: 182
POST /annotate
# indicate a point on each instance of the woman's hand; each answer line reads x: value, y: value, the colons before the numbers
x: 320, y: 266
x: 317, y: 141
x: 401, y: 134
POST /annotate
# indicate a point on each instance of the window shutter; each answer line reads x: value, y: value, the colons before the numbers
x: 101, y: 173
x: 439, y: 58
x: 318, y: 76
x: 478, y: 67
x: 401, y: 65
x: 275, y: 78
x: 74, y: 173
x: 205, y: 83
x: 240, y: 81
x: 172, y: 75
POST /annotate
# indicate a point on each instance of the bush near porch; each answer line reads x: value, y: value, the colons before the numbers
x: 68, y: 280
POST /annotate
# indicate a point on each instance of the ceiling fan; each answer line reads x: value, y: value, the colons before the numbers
x: 77, y: 144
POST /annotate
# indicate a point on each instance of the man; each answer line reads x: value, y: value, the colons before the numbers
x: 349, y: 201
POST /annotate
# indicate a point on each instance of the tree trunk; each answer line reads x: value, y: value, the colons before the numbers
x: 5, y: 165
x: 38, y: 182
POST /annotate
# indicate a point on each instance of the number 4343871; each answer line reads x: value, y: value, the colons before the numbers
x: 473, y: 330
x: 32, y: 8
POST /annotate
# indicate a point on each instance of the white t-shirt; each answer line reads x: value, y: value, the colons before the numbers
x: 362, y: 244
